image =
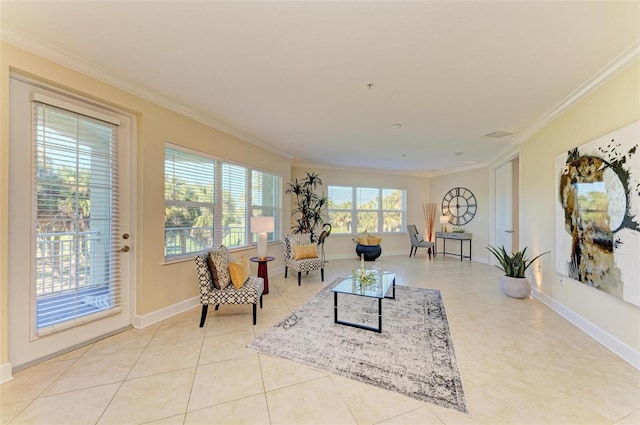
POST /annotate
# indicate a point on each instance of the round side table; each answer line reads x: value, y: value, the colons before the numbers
x: 262, y: 270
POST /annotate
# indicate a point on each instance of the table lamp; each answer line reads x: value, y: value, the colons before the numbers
x: 444, y: 219
x: 262, y: 226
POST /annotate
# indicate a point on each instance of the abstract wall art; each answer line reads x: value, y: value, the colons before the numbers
x: 598, y: 214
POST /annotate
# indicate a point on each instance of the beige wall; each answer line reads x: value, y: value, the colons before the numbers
x: 612, y: 106
x: 477, y: 181
x: 157, y: 285
x: 341, y: 246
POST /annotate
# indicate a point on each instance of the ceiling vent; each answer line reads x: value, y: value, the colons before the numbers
x: 498, y: 134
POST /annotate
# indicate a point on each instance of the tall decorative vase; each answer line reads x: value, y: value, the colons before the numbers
x: 515, y: 287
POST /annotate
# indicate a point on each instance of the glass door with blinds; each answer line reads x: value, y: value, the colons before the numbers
x: 72, y: 283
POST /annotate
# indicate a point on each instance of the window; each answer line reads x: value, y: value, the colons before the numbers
x: 76, y: 271
x: 363, y: 209
x: 208, y: 202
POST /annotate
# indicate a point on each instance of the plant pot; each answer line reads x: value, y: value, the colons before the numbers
x: 515, y: 287
x: 370, y: 252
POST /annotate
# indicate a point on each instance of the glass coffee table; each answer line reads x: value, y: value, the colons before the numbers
x: 377, y: 289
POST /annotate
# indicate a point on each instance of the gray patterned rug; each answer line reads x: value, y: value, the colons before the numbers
x: 413, y: 355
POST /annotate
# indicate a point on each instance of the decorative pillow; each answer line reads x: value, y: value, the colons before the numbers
x: 221, y: 262
x: 363, y: 240
x: 374, y: 240
x: 226, y: 252
x: 304, y: 251
x: 239, y: 272
x: 213, y: 272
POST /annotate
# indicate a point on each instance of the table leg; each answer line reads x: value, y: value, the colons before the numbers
x: 379, y: 315
x: 264, y: 274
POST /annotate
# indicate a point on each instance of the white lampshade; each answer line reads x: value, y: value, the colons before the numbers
x: 262, y: 226
x: 444, y: 220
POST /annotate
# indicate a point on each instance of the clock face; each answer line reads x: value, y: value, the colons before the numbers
x: 460, y: 205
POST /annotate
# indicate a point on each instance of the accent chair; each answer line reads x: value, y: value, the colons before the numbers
x: 301, y: 255
x: 417, y: 241
x: 249, y: 293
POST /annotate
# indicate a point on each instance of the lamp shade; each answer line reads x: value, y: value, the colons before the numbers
x: 262, y: 224
x: 444, y: 220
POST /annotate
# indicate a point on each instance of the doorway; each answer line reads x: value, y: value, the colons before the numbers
x: 70, y: 263
x: 506, y: 189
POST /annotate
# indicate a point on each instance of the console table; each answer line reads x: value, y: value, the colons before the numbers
x: 462, y: 237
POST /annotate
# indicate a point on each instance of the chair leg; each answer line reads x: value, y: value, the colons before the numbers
x: 429, y: 251
x: 217, y: 307
x: 285, y: 271
x: 322, y: 275
x: 254, y: 313
x: 260, y: 301
x: 203, y: 316
x: 299, y: 277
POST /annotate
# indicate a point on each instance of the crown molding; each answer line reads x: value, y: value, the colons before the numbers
x: 312, y: 165
x: 454, y: 170
x: 618, y: 64
x: 64, y: 58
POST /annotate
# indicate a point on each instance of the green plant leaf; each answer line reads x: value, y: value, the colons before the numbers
x: 513, y: 265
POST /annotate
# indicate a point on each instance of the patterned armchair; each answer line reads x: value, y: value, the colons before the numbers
x: 249, y: 293
x: 312, y: 260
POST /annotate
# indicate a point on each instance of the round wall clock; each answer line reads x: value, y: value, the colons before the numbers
x: 460, y: 204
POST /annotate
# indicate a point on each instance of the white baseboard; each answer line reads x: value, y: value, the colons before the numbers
x: 143, y: 321
x: 5, y: 373
x: 621, y: 349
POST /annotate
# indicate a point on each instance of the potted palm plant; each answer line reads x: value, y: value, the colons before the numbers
x: 309, y: 206
x: 514, y: 283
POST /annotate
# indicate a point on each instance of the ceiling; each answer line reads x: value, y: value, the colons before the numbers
x: 410, y: 87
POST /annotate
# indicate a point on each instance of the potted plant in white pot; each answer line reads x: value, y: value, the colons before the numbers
x: 514, y: 283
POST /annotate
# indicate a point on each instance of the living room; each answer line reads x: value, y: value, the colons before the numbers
x: 161, y: 289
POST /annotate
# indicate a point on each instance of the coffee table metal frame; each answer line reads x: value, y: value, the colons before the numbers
x: 349, y: 287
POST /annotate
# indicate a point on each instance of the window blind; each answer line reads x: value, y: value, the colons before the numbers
x: 190, y: 202
x: 265, y: 197
x: 76, y: 218
x: 234, y: 205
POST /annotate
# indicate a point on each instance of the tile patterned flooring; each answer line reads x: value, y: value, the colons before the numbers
x: 521, y: 363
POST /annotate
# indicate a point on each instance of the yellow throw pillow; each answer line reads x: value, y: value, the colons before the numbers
x: 304, y: 251
x: 374, y: 240
x: 239, y: 271
x: 363, y: 240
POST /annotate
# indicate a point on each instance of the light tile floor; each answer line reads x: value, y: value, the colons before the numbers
x: 521, y: 363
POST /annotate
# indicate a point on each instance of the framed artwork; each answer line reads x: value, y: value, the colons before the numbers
x: 598, y: 213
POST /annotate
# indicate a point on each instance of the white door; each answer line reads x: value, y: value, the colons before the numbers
x: 69, y: 191
x: 504, y: 201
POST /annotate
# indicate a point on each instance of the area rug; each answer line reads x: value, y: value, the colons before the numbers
x: 413, y: 355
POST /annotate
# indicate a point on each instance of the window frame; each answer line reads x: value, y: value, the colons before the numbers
x: 217, y: 204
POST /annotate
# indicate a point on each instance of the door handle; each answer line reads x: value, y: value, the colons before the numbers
x: 124, y: 249
x: 509, y: 231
